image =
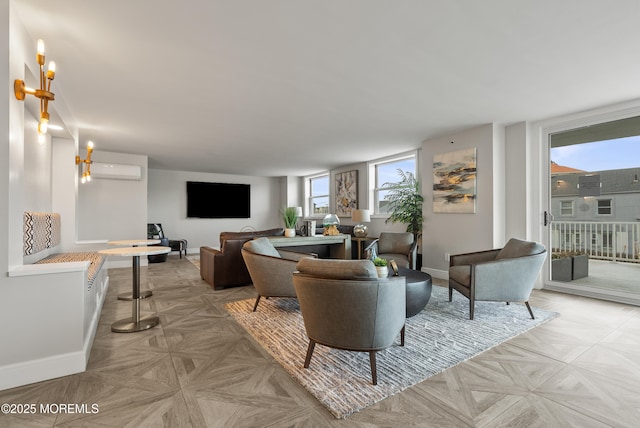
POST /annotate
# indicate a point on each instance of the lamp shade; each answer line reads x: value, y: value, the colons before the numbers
x: 299, y: 212
x: 361, y: 216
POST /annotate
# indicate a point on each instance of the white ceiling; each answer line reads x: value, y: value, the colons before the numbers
x: 293, y: 87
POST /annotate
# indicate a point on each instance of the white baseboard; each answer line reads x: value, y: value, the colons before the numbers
x: 437, y: 273
x: 27, y: 372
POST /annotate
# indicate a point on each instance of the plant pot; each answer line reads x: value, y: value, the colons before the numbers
x: 290, y: 233
x: 561, y: 269
x: 580, y: 266
x: 383, y: 271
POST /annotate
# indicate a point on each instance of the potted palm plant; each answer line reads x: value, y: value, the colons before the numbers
x: 405, y: 205
x: 290, y: 217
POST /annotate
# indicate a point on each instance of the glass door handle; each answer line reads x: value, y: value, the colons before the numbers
x: 548, y: 218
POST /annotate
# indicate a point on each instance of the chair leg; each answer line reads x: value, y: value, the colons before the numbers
x: 450, y: 293
x: 256, y: 305
x: 472, y: 304
x: 312, y: 345
x: 374, y: 368
x: 530, y: 311
x: 402, y: 336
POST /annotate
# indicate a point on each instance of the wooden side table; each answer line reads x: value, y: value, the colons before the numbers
x: 360, y: 242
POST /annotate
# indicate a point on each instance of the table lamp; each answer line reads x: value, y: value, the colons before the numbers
x: 360, y: 216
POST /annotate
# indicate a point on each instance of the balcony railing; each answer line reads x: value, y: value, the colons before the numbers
x: 616, y: 241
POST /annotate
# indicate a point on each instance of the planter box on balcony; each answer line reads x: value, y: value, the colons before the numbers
x: 561, y: 269
x: 570, y: 268
x: 580, y: 268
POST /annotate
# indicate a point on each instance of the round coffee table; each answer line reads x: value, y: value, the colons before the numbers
x: 418, y: 290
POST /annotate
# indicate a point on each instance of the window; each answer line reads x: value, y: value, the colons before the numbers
x: 577, y: 240
x: 318, y: 191
x: 566, y: 208
x: 604, y: 207
x: 385, y: 175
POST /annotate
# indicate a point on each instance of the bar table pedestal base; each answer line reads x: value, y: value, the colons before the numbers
x: 129, y: 326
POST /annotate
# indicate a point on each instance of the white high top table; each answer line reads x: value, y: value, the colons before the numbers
x: 137, y: 322
x: 135, y: 243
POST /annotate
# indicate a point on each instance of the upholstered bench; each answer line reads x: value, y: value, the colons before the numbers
x: 97, y: 260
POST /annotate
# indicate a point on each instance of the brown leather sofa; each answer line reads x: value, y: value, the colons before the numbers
x: 225, y: 267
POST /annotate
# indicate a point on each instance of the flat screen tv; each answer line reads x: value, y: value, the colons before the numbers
x: 218, y: 200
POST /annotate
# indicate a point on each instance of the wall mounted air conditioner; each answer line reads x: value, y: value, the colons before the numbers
x: 113, y: 171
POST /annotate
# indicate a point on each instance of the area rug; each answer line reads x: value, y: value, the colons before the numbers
x: 194, y: 259
x: 438, y: 338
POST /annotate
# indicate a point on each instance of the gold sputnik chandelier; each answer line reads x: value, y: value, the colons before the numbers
x: 43, y: 93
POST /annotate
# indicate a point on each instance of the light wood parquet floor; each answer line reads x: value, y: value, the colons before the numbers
x: 199, y: 368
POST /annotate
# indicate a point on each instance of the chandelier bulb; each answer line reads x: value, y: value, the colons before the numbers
x: 51, y: 70
x: 42, y: 127
x: 40, y: 50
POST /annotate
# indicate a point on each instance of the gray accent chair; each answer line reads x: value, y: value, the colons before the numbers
x: 270, y: 269
x: 501, y: 275
x: 346, y: 306
x: 401, y: 247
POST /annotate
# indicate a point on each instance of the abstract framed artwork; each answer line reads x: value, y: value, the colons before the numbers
x: 346, y: 192
x: 454, y: 182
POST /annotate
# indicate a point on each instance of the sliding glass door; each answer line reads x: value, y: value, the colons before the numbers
x: 592, y: 217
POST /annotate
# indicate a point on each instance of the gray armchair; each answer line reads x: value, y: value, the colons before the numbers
x: 345, y: 306
x: 270, y: 269
x: 501, y: 275
x: 401, y: 247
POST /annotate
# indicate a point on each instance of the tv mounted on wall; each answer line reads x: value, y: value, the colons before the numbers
x: 218, y: 200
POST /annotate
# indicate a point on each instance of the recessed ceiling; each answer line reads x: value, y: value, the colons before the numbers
x: 276, y: 88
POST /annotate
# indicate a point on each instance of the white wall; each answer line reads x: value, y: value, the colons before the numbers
x: 64, y: 191
x: 6, y: 127
x: 516, y: 186
x: 37, y: 178
x: 461, y: 233
x: 113, y: 209
x: 167, y: 204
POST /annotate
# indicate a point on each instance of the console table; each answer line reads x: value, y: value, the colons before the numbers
x: 340, y: 245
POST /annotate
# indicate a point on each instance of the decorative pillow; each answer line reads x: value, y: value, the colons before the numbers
x: 337, y: 269
x: 518, y: 248
x: 261, y: 246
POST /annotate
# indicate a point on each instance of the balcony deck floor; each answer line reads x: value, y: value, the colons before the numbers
x: 608, y: 275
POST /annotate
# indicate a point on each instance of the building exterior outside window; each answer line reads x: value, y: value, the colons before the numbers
x: 385, y: 173
x: 604, y: 207
x: 566, y: 208
x: 318, y: 195
x: 605, y: 226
